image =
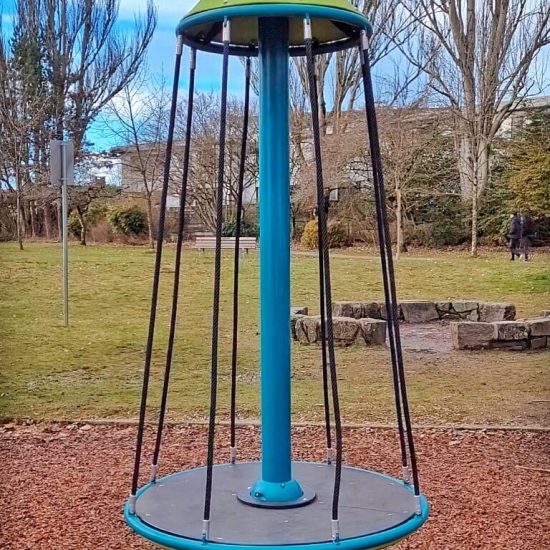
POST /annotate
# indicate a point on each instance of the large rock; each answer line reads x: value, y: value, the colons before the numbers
x: 490, y: 312
x: 419, y: 311
x: 539, y: 327
x: 470, y: 335
x: 373, y: 331
x: 538, y: 342
x: 466, y: 309
x: 510, y: 345
x: 348, y: 309
x: 293, y: 321
x: 345, y: 330
x: 384, y: 313
x: 372, y: 310
x: 308, y: 329
x: 510, y: 330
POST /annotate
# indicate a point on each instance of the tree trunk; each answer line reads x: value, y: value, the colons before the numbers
x: 82, y: 227
x: 150, y: 222
x: 59, y: 219
x: 32, y: 215
x: 473, y: 248
x: 400, y: 247
x: 47, y: 220
x: 18, y: 219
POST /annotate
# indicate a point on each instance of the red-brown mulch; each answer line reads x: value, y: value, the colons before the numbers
x: 63, y: 487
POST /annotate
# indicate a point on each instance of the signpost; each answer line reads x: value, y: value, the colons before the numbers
x: 62, y: 174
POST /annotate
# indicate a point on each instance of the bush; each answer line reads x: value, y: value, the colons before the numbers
x: 128, y: 221
x: 229, y: 229
x: 336, y: 233
x: 73, y: 225
x: 309, y: 236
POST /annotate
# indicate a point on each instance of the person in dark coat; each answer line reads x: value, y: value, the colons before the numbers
x: 526, y: 236
x: 514, y: 235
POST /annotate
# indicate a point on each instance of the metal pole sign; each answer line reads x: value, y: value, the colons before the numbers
x: 62, y: 174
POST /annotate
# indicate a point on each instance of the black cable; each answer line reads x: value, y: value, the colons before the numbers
x: 177, y: 266
x: 323, y: 242
x: 388, y: 267
x: 242, y: 164
x: 156, y: 275
x: 322, y: 305
x: 217, y: 280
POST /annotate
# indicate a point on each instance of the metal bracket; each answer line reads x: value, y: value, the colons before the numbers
x: 226, y: 35
x: 335, y: 528
x: 179, y: 45
x: 406, y: 474
x: 193, y: 60
x: 418, y: 509
x: 205, y: 530
x: 154, y: 472
x: 307, y: 29
x: 132, y: 504
x: 330, y: 455
x: 232, y: 455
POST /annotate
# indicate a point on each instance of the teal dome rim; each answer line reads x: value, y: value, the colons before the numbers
x: 355, y: 22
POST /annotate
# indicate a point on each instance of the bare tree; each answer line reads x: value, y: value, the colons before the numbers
x: 137, y: 121
x: 64, y: 61
x: 204, y: 155
x: 482, y: 57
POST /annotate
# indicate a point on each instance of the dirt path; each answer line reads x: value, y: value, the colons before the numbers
x: 64, y: 487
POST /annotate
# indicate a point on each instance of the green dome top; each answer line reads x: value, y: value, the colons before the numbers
x: 336, y: 24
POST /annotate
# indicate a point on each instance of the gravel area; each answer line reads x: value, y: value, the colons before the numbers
x: 63, y: 487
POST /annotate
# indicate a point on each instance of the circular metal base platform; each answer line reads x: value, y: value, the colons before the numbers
x: 375, y: 510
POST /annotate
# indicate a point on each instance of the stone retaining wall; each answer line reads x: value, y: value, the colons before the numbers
x: 347, y: 331
x: 507, y: 335
x: 424, y: 311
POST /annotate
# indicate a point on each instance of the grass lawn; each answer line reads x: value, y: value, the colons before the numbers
x: 94, y: 368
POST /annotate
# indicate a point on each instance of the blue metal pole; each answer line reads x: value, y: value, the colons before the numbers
x: 276, y: 484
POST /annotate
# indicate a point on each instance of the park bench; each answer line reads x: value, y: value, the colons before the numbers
x: 209, y: 243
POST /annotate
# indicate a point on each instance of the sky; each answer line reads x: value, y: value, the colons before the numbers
x: 160, y: 58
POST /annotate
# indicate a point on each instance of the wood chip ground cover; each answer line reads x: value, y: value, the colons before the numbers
x: 63, y: 487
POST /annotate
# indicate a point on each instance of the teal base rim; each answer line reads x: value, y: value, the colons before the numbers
x: 377, y: 540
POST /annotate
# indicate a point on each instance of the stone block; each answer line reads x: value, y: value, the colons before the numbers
x: 384, y: 315
x: 293, y: 321
x: 510, y: 330
x: 490, y: 312
x: 510, y: 345
x: 419, y: 311
x: 539, y: 327
x: 299, y: 310
x: 308, y: 329
x: 443, y: 308
x: 348, y: 309
x: 345, y: 330
x: 373, y: 331
x: 470, y: 335
x: 465, y: 309
x: 538, y: 342
x: 372, y: 310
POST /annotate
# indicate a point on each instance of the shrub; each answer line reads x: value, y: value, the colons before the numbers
x: 336, y: 233
x: 309, y: 236
x: 74, y: 226
x: 128, y: 221
x: 229, y: 229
